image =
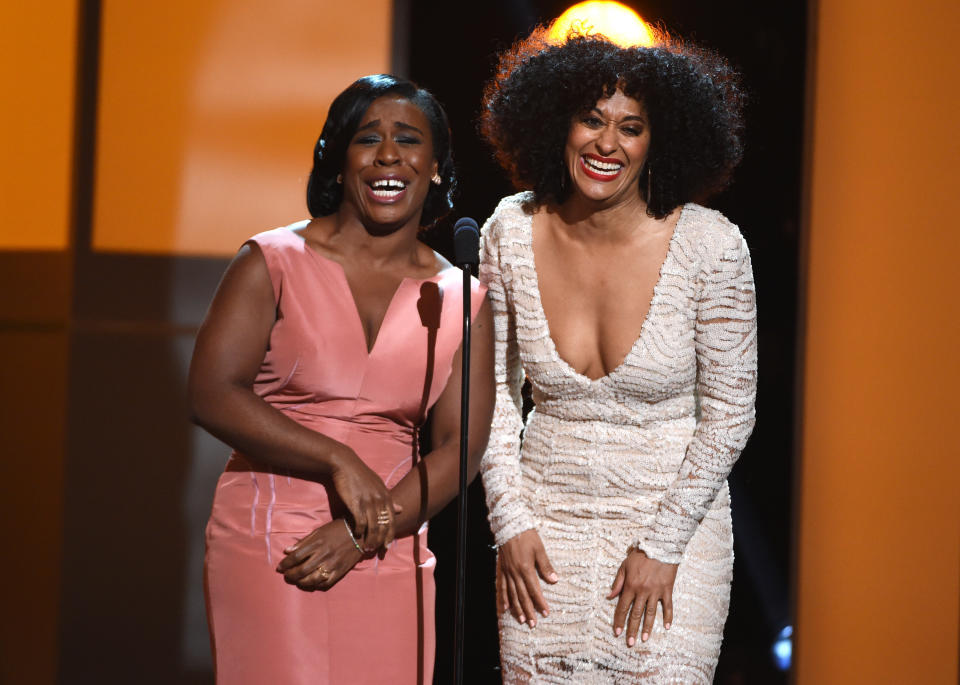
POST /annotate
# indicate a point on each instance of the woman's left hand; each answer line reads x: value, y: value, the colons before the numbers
x: 319, y: 560
x: 642, y: 583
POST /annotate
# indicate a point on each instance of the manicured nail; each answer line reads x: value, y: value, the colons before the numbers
x: 630, y: 641
x: 644, y: 637
x: 545, y: 612
x: 667, y: 626
x: 522, y: 619
x: 617, y: 631
x: 533, y: 623
x: 552, y: 577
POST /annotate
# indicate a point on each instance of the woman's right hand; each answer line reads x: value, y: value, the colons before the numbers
x: 521, y: 560
x: 366, y: 497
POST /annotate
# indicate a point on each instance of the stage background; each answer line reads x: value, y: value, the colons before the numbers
x: 144, y: 141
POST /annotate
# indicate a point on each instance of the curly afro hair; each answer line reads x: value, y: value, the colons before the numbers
x: 324, y: 193
x: 692, y: 96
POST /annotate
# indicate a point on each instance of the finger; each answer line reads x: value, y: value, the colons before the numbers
x: 298, y: 554
x: 617, y: 584
x: 544, y: 566
x: 315, y: 580
x: 621, y: 612
x: 294, y: 546
x: 668, y: 610
x: 380, y: 526
x: 531, y: 583
x: 526, y: 603
x: 649, y: 618
x: 515, y: 609
x: 296, y: 573
x: 633, y: 623
x: 502, y: 600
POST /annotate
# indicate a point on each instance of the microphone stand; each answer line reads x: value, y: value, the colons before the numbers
x: 466, y: 241
x: 462, y: 514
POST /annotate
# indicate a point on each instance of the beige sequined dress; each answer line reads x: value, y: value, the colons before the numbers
x: 637, y: 457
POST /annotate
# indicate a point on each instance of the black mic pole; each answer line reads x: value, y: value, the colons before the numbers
x: 466, y: 245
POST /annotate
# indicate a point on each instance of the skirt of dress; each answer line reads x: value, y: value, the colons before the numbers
x: 374, y: 626
x: 579, y: 477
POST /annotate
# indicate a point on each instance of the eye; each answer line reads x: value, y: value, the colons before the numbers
x: 591, y: 121
x: 367, y: 139
x: 632, y: 131
x: 407, y: 140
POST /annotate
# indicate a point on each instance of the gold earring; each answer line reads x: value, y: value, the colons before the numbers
x: 339, y: 179
x: 436, y: 179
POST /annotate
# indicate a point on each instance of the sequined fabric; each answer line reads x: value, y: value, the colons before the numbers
x: 637, y: 457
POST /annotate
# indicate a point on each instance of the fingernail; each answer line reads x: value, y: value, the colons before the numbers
x: 630, y: 641
x: 644, y: 637
x: 667, y: 626
x: 552, y: 577
x: 545, y: 612
x: 617, y: 631
x: 533, y: 623
x: 522, y: 619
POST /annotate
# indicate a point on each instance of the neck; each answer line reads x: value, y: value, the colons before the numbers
x: 375, y: 244
x: 593, y: 221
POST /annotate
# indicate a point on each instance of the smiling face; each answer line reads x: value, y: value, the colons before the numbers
x: 606, y: 150
x: 389, y: 164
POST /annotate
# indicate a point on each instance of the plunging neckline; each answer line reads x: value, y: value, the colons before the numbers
x: 368, y: 345
x: 643, y: 326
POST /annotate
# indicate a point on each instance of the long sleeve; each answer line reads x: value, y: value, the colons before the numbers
x: 726, y: 348
x: 500, y: 468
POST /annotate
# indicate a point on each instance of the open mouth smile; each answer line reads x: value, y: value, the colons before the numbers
x: 600, y: 168
x: 388, y: 189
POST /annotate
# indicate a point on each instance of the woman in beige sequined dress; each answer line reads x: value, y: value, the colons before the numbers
x: 631, y: 312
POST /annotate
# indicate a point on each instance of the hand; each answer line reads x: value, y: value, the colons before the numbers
x: 642, y: 582
x: 367, y: 499
x: 319, y: 560
x: 521, y: 559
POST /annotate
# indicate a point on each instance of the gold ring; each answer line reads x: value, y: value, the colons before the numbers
x: 324, y: 573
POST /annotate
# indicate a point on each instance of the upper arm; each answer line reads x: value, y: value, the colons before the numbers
x: 446, y: 411
x: 235, y: 333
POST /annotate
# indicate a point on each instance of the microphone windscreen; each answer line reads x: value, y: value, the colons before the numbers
x: 466, y: 241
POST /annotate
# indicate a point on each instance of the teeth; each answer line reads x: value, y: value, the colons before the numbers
x: 388, y: 184
x: 602, y: 167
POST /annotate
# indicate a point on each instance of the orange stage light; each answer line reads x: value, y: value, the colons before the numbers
x: 617, y: 22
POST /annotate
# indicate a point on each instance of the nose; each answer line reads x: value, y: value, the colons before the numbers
x: 387, y: 154
x: 607, y: 140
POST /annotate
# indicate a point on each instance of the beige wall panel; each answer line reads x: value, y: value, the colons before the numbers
x: 209, y: 111
x: 879, y: 547
x: 37, y: 65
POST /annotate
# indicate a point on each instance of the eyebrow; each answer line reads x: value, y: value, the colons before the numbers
x: 398, y: 124
x: 629, y: 117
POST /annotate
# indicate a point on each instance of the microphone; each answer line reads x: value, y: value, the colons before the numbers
x: 466, y: 242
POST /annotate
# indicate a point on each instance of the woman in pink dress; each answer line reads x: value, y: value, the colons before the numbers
x: 326, y: 344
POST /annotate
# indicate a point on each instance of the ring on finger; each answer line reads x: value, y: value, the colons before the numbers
x: 323, y: 573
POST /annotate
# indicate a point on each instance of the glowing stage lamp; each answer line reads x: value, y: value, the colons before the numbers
x: 617, y: 22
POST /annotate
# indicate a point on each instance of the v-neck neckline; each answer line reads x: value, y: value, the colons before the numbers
x: 369, y: 346
x: 643, y: 326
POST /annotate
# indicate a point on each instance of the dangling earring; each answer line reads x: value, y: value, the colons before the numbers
x: 339, y: 179
x: 436, y: 180
x: 649, y: 184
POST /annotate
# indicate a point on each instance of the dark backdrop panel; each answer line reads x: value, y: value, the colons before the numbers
x: 452, y: 52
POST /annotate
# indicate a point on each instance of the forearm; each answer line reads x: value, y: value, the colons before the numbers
x: 244, y: 421
x: 430, y: 485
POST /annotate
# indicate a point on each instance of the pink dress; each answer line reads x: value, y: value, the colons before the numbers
x: 377, y: 624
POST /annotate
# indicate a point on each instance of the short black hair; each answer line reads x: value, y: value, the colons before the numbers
x: 692, y: 96
x: 324, y: 194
